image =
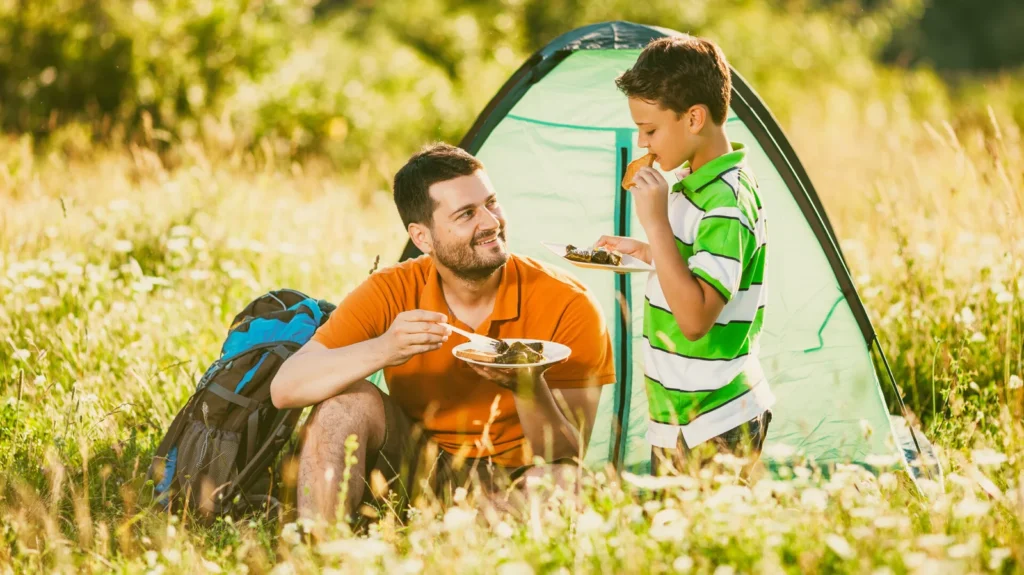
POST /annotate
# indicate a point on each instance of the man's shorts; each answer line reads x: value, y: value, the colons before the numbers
x: 412, y: 464
x: 745, y: 441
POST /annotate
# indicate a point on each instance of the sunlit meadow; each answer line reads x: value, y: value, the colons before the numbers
x: 120, y: 272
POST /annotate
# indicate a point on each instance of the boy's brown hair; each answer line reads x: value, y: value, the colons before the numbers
x: 679, y: 72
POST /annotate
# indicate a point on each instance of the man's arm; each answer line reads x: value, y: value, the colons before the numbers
x: 557, y: 423
x: 694, y: 303
x: 316, y: 373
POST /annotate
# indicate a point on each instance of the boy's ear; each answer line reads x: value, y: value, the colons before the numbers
x: 698, y: 117
x: 420, y: 236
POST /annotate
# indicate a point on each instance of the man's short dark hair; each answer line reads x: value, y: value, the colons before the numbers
x: 679, y: 72
x: 438, y: 162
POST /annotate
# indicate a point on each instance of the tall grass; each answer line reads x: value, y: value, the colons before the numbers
x: 119, y: 273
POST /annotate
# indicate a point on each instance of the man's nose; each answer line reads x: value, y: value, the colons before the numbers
x: 491, y: 219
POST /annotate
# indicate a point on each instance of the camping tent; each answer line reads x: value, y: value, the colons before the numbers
x: 555, y: 140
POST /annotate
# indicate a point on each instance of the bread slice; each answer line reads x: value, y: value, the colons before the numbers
x: 479, y: 355
x: 634, y: 167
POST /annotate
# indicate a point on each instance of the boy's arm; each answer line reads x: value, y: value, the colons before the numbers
x: 694, y: 303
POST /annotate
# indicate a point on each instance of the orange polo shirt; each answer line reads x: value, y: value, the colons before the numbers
x: 443, y: 393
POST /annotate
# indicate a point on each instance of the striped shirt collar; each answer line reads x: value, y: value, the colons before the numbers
x: 695, y: 181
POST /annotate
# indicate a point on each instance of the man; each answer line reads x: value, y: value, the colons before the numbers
x: 443, y: 416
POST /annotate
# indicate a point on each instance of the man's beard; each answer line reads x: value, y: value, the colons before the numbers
x: 465, y: 262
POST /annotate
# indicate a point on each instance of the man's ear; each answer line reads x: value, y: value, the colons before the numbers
x: 698, y: 117
x: 420, y: 236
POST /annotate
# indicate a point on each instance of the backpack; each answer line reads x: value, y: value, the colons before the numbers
x: 218, y: 456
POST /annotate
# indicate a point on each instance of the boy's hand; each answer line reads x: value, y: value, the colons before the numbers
x: 627, y: 246
x: 650, y: 192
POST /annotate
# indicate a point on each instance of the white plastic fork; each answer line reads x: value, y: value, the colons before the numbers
x: 495, y: 344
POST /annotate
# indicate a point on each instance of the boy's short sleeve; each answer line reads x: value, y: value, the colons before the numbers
x: 722, y: 248
x: 591, y: 363
x: 365, y: 313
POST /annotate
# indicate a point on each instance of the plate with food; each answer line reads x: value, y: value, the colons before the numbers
x: 599, y: 258
x: 520, y: 353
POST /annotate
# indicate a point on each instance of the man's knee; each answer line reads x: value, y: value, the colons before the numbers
x: 358, y: 410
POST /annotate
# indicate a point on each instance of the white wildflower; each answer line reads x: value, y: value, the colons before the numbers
x: 725, y: 570
x: 977, y: 337
x: 683, y: 564
x: 878, y: 460
x: 966, y: 317
x: 411, y: 566
x: 460, y: 495
x: 504, y: 530
x: 914, y: 560
x: 996, y: 557
x: 971, y: 508
x: 934, y: 540
x: 173, y: 556
x: 887, y: 480
x: 515, y: 568
x: 290, y: 534
x: 668, y: 525
x: 150, y: 557
x: 198, y: 244
x: 814, y: 498
x: 1004, y: 297
x: 21, y: 354
x: 285, y: 568
x: 178, y: 244
x: 123, y: 246
x: 779, y: 451
x: 1015, y: 382
x: 39, y: 380
x: 589, y: 522
x: 171, y: 531
x: 457, y: 519
x: 839, y: 545
x: 862, y: 532
x: 359, y: 549
x: 987, y: 457
x: 211, y: 567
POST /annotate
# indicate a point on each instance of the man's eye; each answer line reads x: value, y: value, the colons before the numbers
x: 467, y: 214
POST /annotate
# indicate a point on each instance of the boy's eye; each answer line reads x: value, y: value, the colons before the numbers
x: 649, y: 132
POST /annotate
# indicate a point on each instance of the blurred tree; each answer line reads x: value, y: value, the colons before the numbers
x: 963, y: 36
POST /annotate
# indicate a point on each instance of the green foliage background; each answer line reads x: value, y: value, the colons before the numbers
x: 362, y: 80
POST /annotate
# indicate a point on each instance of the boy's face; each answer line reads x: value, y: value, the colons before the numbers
x: 670, y: 137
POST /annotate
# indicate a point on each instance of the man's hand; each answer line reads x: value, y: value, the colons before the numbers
x: 626, y: 246
x: 514, y: 379
x: 412, y: 333
x: 650, y: 193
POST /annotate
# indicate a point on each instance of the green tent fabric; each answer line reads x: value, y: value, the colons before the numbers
x: 555, y: 141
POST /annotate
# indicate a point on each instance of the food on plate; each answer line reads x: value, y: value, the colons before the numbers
x: 596, y: 256
x: 517, y: 353
x: 634, y: 167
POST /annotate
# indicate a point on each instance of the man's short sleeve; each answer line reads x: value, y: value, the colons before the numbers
x: 365, y: 313
x: 721, y: 249
x: 591, y: 363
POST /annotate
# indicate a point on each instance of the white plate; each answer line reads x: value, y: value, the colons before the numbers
x: 553, y: 353
x: 628, y: 263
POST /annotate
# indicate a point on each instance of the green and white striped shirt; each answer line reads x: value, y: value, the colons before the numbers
x: 706, y: 387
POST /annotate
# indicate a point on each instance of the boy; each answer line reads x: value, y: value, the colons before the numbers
x: 705, y: 303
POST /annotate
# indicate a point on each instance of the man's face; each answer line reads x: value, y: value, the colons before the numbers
x: 468, y: 229
x: 671, y: 138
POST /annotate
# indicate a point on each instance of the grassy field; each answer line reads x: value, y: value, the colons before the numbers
x: 119, y: 273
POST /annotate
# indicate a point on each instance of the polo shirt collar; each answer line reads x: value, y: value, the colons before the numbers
x: 506, y: 302
x: 709, y: 172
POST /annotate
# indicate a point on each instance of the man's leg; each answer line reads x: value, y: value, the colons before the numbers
x: 358, y: 411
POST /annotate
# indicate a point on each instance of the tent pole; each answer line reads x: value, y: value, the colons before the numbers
x: 899, y: 397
